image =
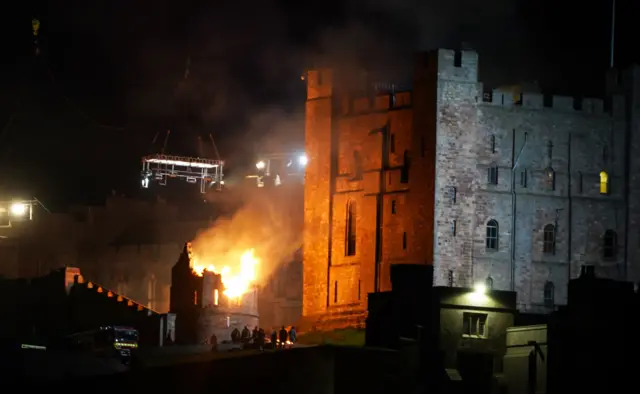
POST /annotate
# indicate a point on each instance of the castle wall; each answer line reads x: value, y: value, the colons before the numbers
x: 476, y: 133
x: 546, y: 154
x: 376, y: 163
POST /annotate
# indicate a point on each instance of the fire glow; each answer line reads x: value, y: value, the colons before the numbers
x: 236, y: 282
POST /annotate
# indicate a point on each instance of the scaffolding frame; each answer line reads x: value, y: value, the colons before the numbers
x: 160, y: 168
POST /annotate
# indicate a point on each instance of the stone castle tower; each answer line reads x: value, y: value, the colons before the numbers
x: 513, y: 189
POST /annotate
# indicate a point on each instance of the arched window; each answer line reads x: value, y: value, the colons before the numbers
x: 604, y: 182
x: 549, y: 294
x: 609, y: 244
x: 549, y: 239
x: 488, y: 283
x: 550, y: 178
x: 492, y: 235
x: 350, y: 238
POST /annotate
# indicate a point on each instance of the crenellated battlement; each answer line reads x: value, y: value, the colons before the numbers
x: 117, y: 298
x: 539, y: 101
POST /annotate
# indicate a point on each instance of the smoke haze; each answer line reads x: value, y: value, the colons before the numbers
x: 269, y: 221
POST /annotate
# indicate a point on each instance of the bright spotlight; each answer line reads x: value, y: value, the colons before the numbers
x: 18, y: 209
x: 303, y: 160
x: 260, y: 165
x: 480, y: 289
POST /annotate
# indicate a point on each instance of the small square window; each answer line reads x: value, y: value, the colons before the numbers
x: 474, y: 324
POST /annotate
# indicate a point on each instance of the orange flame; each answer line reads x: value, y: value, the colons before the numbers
x: 236, y: 282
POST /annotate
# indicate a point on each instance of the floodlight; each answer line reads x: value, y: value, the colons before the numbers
x: 18, y: 209
x: 303, y: 160
x: 260, y: 165
x: 480, y: 289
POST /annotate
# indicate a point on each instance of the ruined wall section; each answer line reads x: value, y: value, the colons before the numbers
x: 457, y: 175
x: 317, y: 192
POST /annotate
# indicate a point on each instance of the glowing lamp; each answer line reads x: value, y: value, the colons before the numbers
x: 260, y: 165
x: 18, y: 209
x: 303, y: 160
x: 479, y: 289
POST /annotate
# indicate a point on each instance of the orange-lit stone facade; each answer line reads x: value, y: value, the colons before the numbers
x: 368, y: 191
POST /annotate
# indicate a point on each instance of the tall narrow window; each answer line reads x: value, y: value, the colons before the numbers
x: 392, y: 143
x: 579, y: 182
x: 605, y: 154
x: 610, y: 244
x: 492, y: 175
x: 450, y: 278
x: 550, y: 150
x: 488, y: 283
x: 404, y: 240
x: 357, y: 165
x: 406, y: 163
x: 393, y: 207
x: 335, y: 292
x: 454, y: 227
x: 453, y: 193
x: 492, y: 235
x: 457, y: 59
x: 492, y: 143
x: 604, y: 182
x: 549, y: 239
x: 523, y: 178
x: 550, y: 178
x: 351, y: 226
x: 549, y: 294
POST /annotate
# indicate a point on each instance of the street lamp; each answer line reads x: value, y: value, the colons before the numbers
x: 303, y: 160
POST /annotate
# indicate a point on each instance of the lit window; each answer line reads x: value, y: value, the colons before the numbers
x: 551, y: 178
x: 604, y: 183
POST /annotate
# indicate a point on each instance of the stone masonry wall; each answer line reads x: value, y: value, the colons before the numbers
x: 472, y: 137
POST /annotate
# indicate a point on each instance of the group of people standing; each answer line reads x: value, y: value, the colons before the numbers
x: 278, y: 339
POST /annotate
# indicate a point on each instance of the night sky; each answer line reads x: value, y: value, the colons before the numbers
x: 75, y: 120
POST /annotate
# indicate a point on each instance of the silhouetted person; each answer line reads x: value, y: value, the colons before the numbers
x: 246, y: 334
x: 283, y: 336
x: 260, y: 339
x: 235, y: 335
x: 274, y: 339
x: 214, y: 343
x: 293, y: 335
x: 254, y: 334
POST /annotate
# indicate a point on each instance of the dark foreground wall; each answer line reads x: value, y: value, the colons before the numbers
x: 305, y: 370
